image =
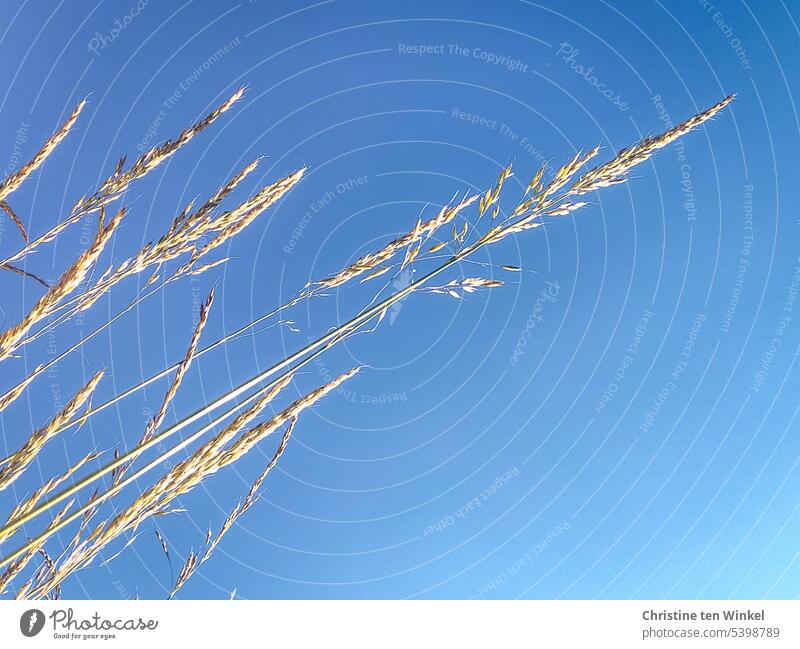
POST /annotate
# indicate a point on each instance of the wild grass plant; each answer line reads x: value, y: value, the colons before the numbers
x: 73, y: 522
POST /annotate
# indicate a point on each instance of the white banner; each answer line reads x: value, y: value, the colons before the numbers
x: 402, y: 624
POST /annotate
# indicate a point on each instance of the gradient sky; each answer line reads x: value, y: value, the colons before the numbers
x: 620, y: 420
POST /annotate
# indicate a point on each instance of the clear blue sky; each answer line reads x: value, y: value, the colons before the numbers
x: 620, y: 420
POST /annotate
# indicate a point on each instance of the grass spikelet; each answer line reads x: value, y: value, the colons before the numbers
x: 35, y: 547
x: 114, y: 186
x: 192, y: 561
x: 565, y: 173
x: 421, y: 230
x: 186, y: 475
x: 196, y: 231
x: 157, y: 419
x: 465, y: 285
x: 68, y: 282
x: 257, y: 433
x: 25, y: 273
x: 17, y: 221
x: 119, y: 181
x: 381, y: 271
x: 15, y: 180
x: 25, y: 455
x: 490, y: 198
x: 16, y: 566
x: 11, y: 395
x: 86, y: 511
x: 231, y: 223
x: 30, y: 502
x: 614, y: 171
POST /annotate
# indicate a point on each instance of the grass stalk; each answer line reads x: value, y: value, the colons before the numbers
x: 551, y: 199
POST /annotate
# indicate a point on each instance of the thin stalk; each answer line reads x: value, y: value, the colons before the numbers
x: 351, y: 325
x: 609, y: 173
x: 155, y: 377
x: 52, y: 529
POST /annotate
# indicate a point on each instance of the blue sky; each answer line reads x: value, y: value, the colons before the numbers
x: 619, y: 420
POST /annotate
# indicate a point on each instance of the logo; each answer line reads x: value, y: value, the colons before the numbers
x: 31, y: 622
x: 403, y: 280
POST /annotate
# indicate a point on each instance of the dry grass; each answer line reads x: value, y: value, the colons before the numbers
x: 14, y: 181
x: 113, y: 186
x: 20, y: 460
x: 193, y: 560
x: 180, y: 372
x: 188, y: 241
x: 71, y: 279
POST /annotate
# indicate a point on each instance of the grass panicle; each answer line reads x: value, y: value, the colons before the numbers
x: 105, y: 518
